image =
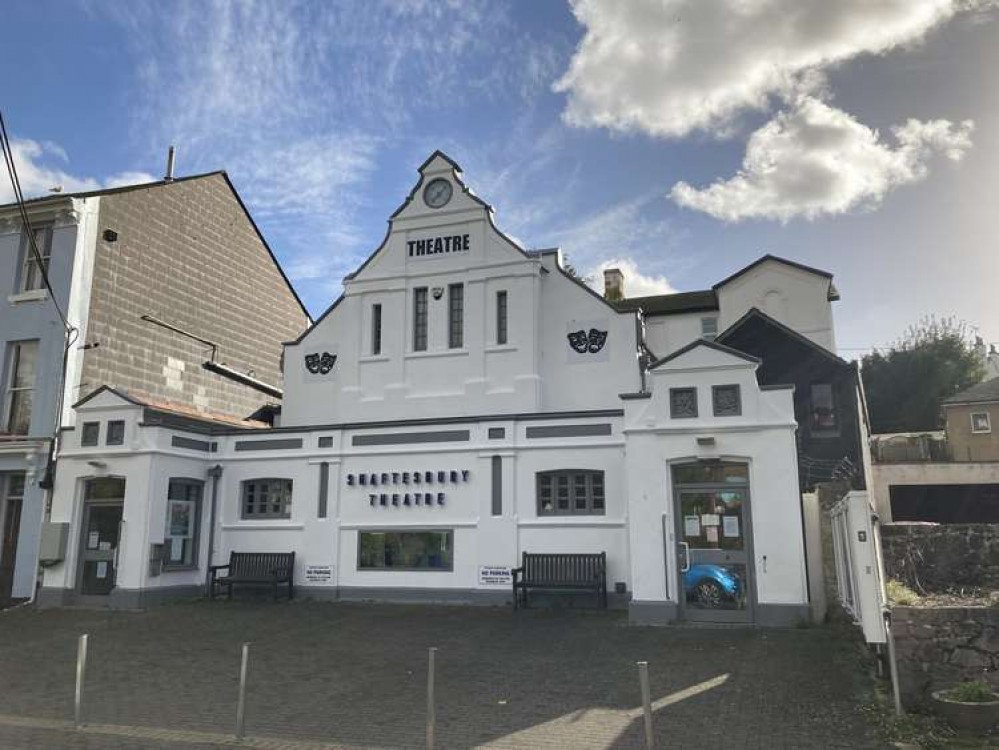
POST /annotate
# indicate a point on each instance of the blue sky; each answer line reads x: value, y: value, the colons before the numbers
x: 679, y: 138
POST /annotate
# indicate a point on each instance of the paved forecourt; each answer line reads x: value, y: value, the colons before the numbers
x: 325, y: 676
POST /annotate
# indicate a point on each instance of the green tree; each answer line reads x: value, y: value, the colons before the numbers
x: 906, y: 383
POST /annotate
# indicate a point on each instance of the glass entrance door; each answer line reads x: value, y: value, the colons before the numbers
x: 713, y: 549
x: 101, y: 529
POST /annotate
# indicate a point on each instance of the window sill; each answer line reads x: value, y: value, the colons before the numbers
x: 263, y: 525
x: 501, y: 348
x: 178, y: 568
x: 577, y: 520
x: 35, y: 295
x: 438, y: 353
x: 374, y: 358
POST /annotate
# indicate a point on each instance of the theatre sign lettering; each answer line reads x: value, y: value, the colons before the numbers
x: 452, y: 243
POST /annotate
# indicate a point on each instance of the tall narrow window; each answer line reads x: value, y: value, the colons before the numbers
x: 22, y: 357
x: 32, y: 271
x: 456, y: 316
x: 501, y: 334
x: 709, y: 328
x: 420, y: 319
x: 376, y: 329
x: 183, y: 523
x: 823, y: 419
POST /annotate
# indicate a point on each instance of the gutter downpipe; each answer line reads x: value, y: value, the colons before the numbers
x: 215, y: 473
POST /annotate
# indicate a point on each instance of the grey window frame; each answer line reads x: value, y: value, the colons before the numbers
x: 672, y: 411
x: 456, y: 316
x: 571, y: 477
x: 376, y: 328
x: 196, y: 536
x: 714, y: 324
x: 502, y: 310
x: 738, y: 399
x: 88, y: 440
x: 420, y: 318
x: 11, y: 391
x: 113, y: 438
x: 449, y: 533
x: 27, y: 260
x: 286, y: 501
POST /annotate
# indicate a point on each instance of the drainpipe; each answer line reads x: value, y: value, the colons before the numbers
x: 215, y: 473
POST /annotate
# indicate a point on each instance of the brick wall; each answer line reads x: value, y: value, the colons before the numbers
x: 186, y: 254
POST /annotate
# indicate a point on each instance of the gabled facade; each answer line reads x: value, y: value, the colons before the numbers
x: 157, y: 280
x: 449, y: 317
x: 464, y: 402
x: 828, y: 401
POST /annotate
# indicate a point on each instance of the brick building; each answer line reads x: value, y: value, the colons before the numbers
x: 174, y: 295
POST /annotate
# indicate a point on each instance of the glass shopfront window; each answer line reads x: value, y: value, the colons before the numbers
x: 405, y: 550
x: 183, y: 513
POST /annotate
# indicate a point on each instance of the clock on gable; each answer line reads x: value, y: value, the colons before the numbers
x: 437, y: 193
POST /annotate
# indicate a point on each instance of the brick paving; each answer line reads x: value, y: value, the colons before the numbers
x: 354, y: 675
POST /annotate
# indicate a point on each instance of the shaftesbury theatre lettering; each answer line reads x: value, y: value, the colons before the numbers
x: 455, y: 243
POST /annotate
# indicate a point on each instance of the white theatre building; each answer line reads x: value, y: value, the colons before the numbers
x: 464, y: 401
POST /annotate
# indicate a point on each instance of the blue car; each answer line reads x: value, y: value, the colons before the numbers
x: 711, y: 585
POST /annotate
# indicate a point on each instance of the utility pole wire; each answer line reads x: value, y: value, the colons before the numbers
x: 8, y: 156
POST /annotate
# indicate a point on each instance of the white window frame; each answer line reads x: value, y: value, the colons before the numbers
x: 193, y: 533
x: 32, y: 278
x: 988, y: 422
x: 271, y: 485
x: 13, y: 362
x: 421, y: 319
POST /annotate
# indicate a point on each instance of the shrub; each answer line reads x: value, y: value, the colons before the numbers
x: 972, y: 692
x: 899, y: 593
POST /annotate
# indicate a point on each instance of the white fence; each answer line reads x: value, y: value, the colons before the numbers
x: 859, y: 571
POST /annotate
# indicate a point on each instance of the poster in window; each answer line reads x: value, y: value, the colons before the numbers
x: 691, y: 526
x: 730, y: 527
x: 102, y: 569
x: 181, y: 514
x: 711, y: 534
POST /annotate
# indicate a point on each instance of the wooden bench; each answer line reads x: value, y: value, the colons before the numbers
x: 273, y: 568
x: 575, y: 572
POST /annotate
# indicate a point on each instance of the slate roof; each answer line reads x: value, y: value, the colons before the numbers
x: 166, y: 407
x: 668, y: 304
x: 983, y: 393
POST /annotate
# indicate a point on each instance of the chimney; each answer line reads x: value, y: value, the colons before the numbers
x: 170, y: 159
x: 613, y: 284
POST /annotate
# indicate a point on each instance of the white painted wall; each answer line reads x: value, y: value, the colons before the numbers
x: 762, y: 437
x: 536, y: 370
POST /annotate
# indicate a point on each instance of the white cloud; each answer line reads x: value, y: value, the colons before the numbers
x: 636, y: 284
x: 669, y: 67
x: 37, y: 177
x: 814, y: 159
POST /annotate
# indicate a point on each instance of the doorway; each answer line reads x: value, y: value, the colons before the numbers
x: 102, y: 513
x: 11, y: 501
x: 714, y: 548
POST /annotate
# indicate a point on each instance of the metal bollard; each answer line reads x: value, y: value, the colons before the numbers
x: 81, y: 671
x: 431, y: 704
x: 643, y: 679
x: 241, y: 705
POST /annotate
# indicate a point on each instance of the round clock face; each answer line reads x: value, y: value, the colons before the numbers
x: 437, y: 193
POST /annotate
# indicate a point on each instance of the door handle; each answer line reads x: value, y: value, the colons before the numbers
x: 685, y: 565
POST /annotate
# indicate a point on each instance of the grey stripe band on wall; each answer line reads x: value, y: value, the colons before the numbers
x: 269, y: 445
x: 407, y: 438
x: 193, y: 445
x: 497, y: 486
x: 324, y: 488
x: 568, y: 430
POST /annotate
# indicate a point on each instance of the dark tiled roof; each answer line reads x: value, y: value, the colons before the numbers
x: 53, y: 197
x: 668, y: 304
x: 982, y: 393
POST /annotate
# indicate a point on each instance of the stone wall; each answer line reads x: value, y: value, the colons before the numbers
x: 938, y: 648
x: 933, y: 558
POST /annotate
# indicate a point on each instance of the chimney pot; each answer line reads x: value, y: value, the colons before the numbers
x: 171, y: 155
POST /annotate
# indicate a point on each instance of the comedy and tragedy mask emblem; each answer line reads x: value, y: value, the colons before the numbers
x: 591, y: 342
x: 320, y: 364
